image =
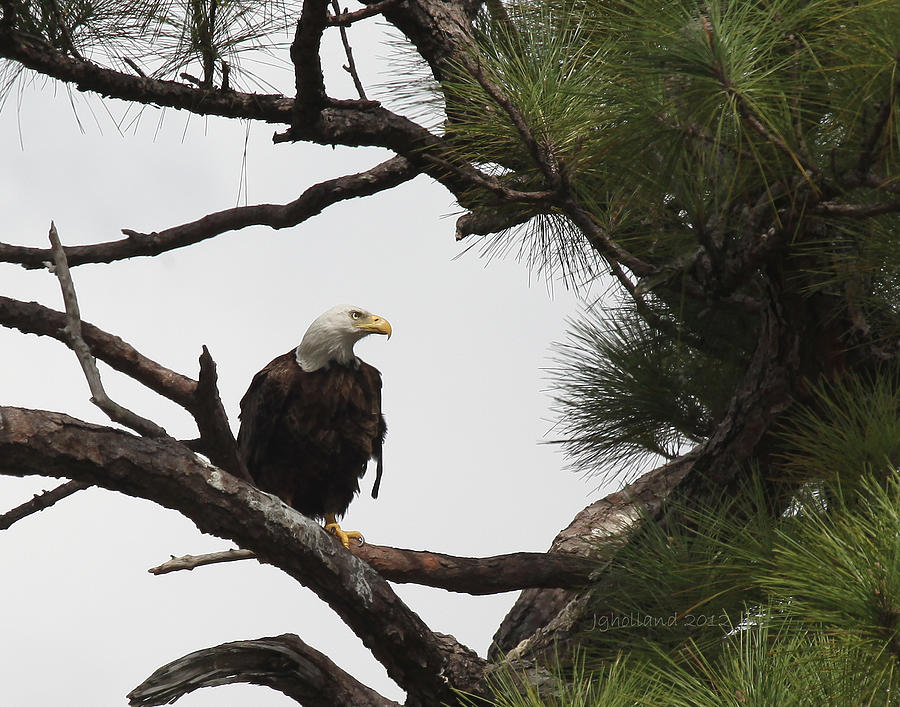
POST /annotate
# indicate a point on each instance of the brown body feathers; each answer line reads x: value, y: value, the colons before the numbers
x: 307, y: 437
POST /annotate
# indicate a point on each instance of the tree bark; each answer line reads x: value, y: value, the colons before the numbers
x: 284, y: 663
x: 469, y: 575
x: 45, y: 443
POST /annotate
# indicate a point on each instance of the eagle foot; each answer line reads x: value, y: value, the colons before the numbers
x: 331, y: 525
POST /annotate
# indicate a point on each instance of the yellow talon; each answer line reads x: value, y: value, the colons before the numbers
x: 331, y: 525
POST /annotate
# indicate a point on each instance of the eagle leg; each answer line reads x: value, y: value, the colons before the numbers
x: 331, y: 525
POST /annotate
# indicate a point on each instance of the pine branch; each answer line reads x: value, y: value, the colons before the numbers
x: 35, y: 54
x: 540, y: 153
x: 869, y: 148
x: 312, y: 202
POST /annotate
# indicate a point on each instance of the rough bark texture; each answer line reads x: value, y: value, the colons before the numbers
x: 284, y: 663
x: 45, y: 443
x: 595, y: 530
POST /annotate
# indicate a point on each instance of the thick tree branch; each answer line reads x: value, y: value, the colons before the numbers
x: 469, y: 575
x: 53, y: 444
x: 87, y: 76
x: 312, y: 202
x: 284, y: 663
x: 441, y: 30
x: 40, y: 502
x: 310, y: 82
x: 598, y: 527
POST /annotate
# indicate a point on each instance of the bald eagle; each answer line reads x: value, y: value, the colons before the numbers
x: 311, y: 419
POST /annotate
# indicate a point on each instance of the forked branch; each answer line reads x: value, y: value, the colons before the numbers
x: 205, y: 407
x: 72, y: 333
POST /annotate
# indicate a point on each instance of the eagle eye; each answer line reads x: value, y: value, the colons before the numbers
x: 355, y: 314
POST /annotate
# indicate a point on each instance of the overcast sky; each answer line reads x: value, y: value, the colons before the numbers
x: 467, y: 470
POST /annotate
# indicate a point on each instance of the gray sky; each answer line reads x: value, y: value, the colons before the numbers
x: 466, y: 470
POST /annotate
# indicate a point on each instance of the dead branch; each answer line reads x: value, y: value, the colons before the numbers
x: 52, y: 444
x: 72, y: 332
x: 189, y: 562
x: 284, y: 663
x: 312, y: 202
x: 33, y: 318
x: 345, y: 19
x: 469, y: 575
x: 350, y: 67
x: 212, y: 421
x: 40, y: 502
x: 203, y: 404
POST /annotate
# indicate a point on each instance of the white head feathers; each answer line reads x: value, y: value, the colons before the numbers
x: 332, y: 335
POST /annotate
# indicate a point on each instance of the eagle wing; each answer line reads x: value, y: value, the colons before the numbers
x: 261, y: 407
x: 378, y: 428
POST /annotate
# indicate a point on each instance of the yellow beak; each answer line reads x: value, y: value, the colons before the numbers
x: 376, y: 325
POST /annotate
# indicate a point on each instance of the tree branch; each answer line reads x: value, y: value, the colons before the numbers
x: 469, y: 575
x: 309, y: 81
x: 33, y: 318
x: 72, y: 334
x: 601, y: 524
x: 38, y: 55
x: 284, y: 663
x: 542, y: 156
x: 190, y: 562
x: 350, y: 67
x: 345, y: 19
x: 202, y: 403
x: 40, y: 502
x: 857, y: 210
x: 53, y: 444
x: 212, y: 421
x: 312, y: 202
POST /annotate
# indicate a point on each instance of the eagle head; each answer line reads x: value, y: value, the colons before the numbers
x: 332, y: 335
